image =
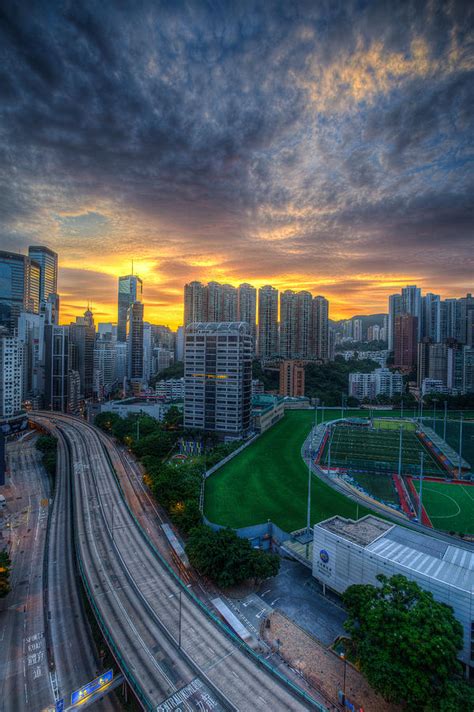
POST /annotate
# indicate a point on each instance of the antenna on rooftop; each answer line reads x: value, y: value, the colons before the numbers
x: 132, y: 266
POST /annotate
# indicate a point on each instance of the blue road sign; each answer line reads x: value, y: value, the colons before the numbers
x: 60, y: 705
x: 91, y: 687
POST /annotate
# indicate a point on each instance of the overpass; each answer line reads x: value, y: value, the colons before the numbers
x: 173, y: 652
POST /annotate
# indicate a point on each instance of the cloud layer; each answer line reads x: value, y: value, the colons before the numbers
x: 316, y: 145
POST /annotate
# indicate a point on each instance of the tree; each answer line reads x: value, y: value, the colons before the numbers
x: 405, y: 641
x: 5, y: 565
x: 173, y: 418
x: 47, y: 445
x: 227, y: 558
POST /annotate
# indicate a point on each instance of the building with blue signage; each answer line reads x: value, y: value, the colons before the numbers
x: 347, y: 552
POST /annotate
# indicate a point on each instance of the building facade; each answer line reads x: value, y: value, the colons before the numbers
x: 267, y: 322
x: 291, y: 378
x: 218, y: 378
x: 11, y: 375
x: 130, y: 290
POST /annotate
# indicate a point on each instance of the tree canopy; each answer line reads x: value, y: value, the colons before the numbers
x: 226, y: 558
x: 407, y: 644
x: 5, y: 565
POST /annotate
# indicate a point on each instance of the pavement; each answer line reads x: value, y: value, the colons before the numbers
x: 24, y: 676
x: 299, y: 596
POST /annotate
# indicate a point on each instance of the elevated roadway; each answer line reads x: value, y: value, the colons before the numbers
x: 174, y: 654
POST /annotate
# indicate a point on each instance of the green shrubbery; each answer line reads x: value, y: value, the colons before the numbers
x: 5, y: 565
x: 47, y: 445
x: 227, y: 559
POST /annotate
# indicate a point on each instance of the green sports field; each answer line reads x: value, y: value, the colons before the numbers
x: 377, y: 450
x: 269, y: 480
x: 449, y: 506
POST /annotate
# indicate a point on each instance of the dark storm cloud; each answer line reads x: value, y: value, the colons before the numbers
x: 194, y: 129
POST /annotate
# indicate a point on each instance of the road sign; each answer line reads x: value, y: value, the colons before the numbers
x: 91, y: 687
x: 60, y: 705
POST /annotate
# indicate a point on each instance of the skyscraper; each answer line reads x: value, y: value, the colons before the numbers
x: 304, y: 324
x: 267, y: 322
x: 247, y: 309
x: 229, y: 309
x: 431, y: 317
x: 130, y: 290
x: 394, y: 310
x: 48, y: 262
x: 19, y: 288
x: 195, y: 308
x: 288, y: 324
x: 82, y: 336
x: 411, y: 304
x: 218, y: 378
x: 405, y: 341
x: 320, y: 328
x: 11, y: 375
x: 56, y: 367
x: 135, y: 344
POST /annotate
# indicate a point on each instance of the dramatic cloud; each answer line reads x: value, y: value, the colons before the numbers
x: 322, y: 146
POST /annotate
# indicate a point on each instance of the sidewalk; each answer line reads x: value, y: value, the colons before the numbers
x: 322, y: 667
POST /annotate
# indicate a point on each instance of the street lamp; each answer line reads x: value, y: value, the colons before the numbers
x: 343, y: 657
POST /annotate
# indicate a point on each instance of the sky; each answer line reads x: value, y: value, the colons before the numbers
x: 325, y: 146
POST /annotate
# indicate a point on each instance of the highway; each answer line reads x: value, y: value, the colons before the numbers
x: 193, y: 666
x: 24, y: 679
x: 68, y: 635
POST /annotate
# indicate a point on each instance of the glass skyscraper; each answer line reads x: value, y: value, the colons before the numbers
x: 130, y: 290
x: 48, y: 262
x: 19, y: 288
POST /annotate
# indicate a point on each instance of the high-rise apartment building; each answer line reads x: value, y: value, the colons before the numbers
x: 213, y: 301
x: 19, y: 288
x: 406, y: 338
x: 135, y: 344
x: 291, y: 378
x: 195, y: 303
x: 431, y: 317
x: 394, y: 310
x: 267, y: 322
x: 304, y: 324
x: 382, y: 381
x: 130, y: 290
x: 48, y: 262
x: 218, y: 378
x: 247, y: 309
x: 11, y: 375
x: 288, y: 324
x: 357, y: 330
x: 229, y: 309
x: 411, y: 304
x: 320, y: 328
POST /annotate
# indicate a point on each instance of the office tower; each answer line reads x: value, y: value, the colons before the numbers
x: 104, y: 365
x: 229, y: 308
x: 394, y: 310
x: 121, y: 362
x: 56, y: 367
x: 431, y: 317
x: 104, y: 329
x: 31, y: 333
x: 405, y: 341
x: 130, y: 290
x: 288, y: 324
x: 48, y: 262
x: 267, y: 322
x: 82, y: 336
x: 320, y: 330
x: 194, y: 303
x: 422, y: 361
x: 218, y: 378
x: 247, y: 309
x: 291, y: 378
x: 179, y: 344
x: 11, y: 375
x: 19, y: 288
x: 135, y: 345
x: 52, y: 305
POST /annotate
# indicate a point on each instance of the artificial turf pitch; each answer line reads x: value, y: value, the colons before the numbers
x: 449, y: 506
x: 269, y: 480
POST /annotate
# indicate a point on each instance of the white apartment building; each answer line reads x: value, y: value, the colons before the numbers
x: 382, y: 381
x: 11, y: 375
x: 170, y: 389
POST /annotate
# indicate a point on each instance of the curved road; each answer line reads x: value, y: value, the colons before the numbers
x: 138, y: 600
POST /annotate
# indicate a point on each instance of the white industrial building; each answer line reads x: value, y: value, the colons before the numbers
x: 347, y: 552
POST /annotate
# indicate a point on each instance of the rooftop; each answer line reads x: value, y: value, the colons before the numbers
x: 362, y: 532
